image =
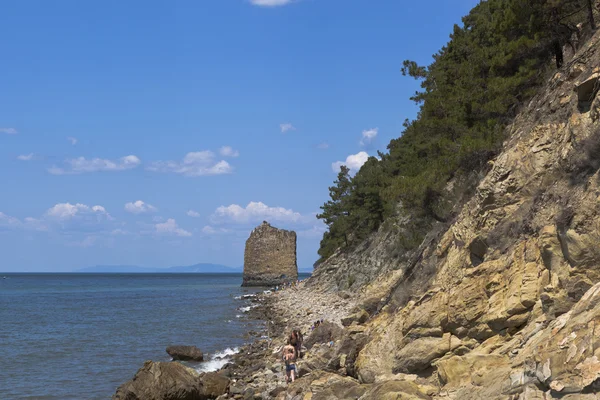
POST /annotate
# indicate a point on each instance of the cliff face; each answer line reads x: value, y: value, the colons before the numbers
x: 270, y: 257
x: 513, y: 305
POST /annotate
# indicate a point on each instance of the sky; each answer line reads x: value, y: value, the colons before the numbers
x: 160, y: 133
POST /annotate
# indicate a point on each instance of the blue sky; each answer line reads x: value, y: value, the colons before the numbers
x: 159, y: 133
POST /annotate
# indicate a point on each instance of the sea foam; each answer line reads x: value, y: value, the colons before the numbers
x: 218, y: 360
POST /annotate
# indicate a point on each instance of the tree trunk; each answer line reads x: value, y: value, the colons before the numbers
x: 591, y: 14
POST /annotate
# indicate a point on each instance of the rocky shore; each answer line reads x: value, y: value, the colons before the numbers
x: 256, y: 371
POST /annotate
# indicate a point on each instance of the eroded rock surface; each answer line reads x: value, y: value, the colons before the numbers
x: 270, y: 257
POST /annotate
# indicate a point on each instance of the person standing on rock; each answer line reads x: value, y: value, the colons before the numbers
x: 297, y: 336
x: 289, y: 358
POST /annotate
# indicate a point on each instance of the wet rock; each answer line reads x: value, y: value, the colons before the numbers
x: 185, y: 353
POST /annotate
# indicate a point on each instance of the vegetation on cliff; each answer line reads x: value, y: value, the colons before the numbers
x: 475, y: 85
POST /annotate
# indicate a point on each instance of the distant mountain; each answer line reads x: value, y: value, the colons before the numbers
x: 205, y: 268
x: 132, y: 269
x: 202, y: 268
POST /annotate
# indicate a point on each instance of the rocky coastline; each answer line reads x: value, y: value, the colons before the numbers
x: 256, y: 371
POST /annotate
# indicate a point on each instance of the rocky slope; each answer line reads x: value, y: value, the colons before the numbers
x: 503, y: 303
x: 512, y: 308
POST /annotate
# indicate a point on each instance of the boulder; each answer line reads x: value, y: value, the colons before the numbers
x: 360, y: 317
x: 418, y: 354
x: 213, y: 385
x: 185, y: 353
x: 161, y: 380
x: 324, y: 333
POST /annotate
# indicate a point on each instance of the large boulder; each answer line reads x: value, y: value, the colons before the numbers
x: 418, y: 354
x: 324, y: 333
x: 160, y: 381
x: 213, y: 385
x: 185, y: 353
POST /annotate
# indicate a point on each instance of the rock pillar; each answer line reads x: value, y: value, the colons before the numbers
x: 270, y: 257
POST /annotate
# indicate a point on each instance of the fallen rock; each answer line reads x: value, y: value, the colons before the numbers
x: 324, y: 333
x: 185, y: 353
x: 213, y: 385
x: 360, y: 317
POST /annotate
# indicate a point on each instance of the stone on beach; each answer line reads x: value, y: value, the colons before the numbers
x: 185, y: 353
x: 161, y: 380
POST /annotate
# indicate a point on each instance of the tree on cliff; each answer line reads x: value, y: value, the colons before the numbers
x: 336, y: 213
x: 492, y: 65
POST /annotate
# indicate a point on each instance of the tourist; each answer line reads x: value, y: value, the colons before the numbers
x: 289, y: 358
x: 297, y: 337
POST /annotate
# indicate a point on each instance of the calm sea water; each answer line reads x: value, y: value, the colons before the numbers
x: 79, y: 336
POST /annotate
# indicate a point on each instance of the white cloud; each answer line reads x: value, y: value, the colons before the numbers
x: 228, y: 151
x: 66, y: 211
x: 25, y: 157
x: 287, y: 127
x: 81, y: 165
x: 368, y: 136
x: 73, y: 140
x: 254, y: 212
x: 353, y: 161
x: 79, y: 223
x: 119, y: 232
x: 9, y: 131
x: 8, y: 221
x: 323, y: 146
x: 193, y: 214
x: 170, y: 227
x: 209, y: 230
x: 139, y: 207
x: 198, y: 163
x: 270, y: 3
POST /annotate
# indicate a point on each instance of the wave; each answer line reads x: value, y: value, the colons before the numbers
x: 248, y: 308
x: 217, y: 360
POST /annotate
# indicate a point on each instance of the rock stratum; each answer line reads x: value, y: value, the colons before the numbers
x: 270, y: 257
x: 512, y: 309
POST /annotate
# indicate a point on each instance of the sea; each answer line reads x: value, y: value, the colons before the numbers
x: 80, y: 336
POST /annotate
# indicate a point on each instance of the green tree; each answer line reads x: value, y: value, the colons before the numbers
x: 336, y: 212
x: 494, y: 62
